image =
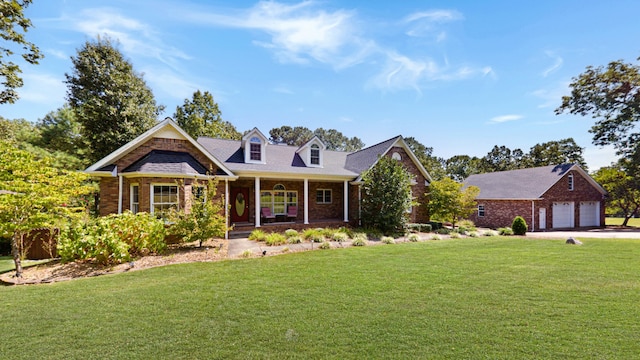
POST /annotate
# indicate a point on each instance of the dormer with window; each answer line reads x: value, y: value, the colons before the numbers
x: 312, y: 153
x: 254, y: 144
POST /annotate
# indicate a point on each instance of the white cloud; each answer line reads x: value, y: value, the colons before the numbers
x: 135, y: 37
x: 552, y: 97
x: 557, y: 63
x: 57, y: 53
x: 43, y: 89
x: 505, y: 118
x: 426, y: 23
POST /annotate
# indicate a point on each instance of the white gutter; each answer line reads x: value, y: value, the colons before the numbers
x: 120, y: 181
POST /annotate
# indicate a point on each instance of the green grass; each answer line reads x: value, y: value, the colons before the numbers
x: 493, y: 298
x: 6, y: 263
x: 611, y: 221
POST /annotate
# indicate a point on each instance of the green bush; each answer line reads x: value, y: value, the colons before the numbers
x: 435, y: 225
x: 519, y: 226
x: 325, y: 245
x: 346, y: 230
x: 455, y: 235
x: 275, y: 239
x: 359, y: 239
x: 258, y: 235
x: 419, y: 228
x: 112, y: 239
x: 340, y: 236
x: 328, y: 232
x: 505, y: 231
x: 436, y: 237
x: 313, y: 234
x: 443, y: 231
x: 473, y: 234
x: 294, y: 239
x: 413, y: 237
x: 289, y: 233
x: 467, y: 226
x: 387, y: 240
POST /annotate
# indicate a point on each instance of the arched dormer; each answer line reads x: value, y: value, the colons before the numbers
x: 312, y: 153
x: 254, y: 144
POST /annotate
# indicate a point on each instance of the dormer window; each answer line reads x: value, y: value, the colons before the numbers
x: 315, y: 154
x: 255, y: 151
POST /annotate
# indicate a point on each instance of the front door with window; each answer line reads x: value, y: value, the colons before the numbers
x: 239, y: 205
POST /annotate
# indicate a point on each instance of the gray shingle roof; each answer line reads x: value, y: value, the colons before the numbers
x: 518, y: 184
x: 364, y: 159
x: 281, y: 159
x: 167, y: 162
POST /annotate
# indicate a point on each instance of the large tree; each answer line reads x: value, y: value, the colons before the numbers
x: 34, y: 194
x: 386, y: 196
x: 448, y: 201
x: 201, y: 116
x: 60, y: 131
x: 111, y: 101
x: 13, y: 26
x: 623, y: 191
x: 555, y: 153
x: 299, y: 135
x: 459, y: 167
x: 501, y: 158
x: 611, y: 95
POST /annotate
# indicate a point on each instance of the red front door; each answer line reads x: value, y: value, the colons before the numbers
x: 239, y: 205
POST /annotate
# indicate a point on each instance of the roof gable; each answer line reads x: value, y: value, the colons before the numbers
x: 167, y: 162
x: 523, y: 184
x: 164, y: 129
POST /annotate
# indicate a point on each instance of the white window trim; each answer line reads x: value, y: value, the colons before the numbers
x: 481, y: 208
x: 151, y: 202
x: 131, y: 186
x: 311, y: 149
x: 571, y: 182
x: 324, y: 193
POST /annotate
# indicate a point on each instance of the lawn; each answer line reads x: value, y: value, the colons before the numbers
x: 6, y: 263
x: 494, y: 298
x: 635, y: 222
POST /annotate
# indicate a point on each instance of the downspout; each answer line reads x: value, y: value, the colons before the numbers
x: 533, y: 216
x: 120, y: 182
x: 359, y: 205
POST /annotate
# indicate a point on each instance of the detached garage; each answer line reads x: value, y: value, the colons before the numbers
x: 548, y: 197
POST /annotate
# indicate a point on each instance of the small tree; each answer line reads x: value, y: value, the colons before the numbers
x: 386, y: 196
x: 519, y: 226
x: 447, y: 200
x: 205, y: 220
x: 33, y: 194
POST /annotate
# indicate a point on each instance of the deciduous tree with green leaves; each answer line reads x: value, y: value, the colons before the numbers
x: 564, y: 151
x: 111, y: 101
x: 623, y: 196
x: 299, y: 135
x: 432, y: 164
x: 13, y: 27
x: 34, y: 194
x: 448, y: 201
x: 201, y: 116
x: 386, y: 196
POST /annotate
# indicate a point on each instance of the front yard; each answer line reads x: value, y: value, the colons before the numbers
x: 488, y: 297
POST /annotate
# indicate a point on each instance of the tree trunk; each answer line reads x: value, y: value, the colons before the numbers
x: 15, y: 251
x: 626, y: 220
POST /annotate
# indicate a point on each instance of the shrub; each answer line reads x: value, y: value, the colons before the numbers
x: 258, y: 235
x: 474, y: 234
x: 359, y: 242
x: 413, y: 237
x: 443, y: 231
x: 275, y: 239
x: 505, y: 231
x: 340, y: 236
x: 112, y: 239
x: 435, y: 225
x: 311, y: 234
x: 289, y: 233
x: 325, y: 245
x: 346, y: 230
x: 519, y: 226
x: 247, y: 253
x: 419, y: 227
x: 387, y: 240
x: 455, y: 235
x: 467, y: 225
x: 294, y: 240
x: 285, y: 249
x: 436, y: 237
x: 328, y: 232
x: 489, y: 233
x: 372, y: 233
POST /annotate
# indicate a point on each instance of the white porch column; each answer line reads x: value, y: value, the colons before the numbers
x: 257, y: 200
x: 306, y: 201
x: 346, y: 201
x: 226, y: 208
x: 120, y: 194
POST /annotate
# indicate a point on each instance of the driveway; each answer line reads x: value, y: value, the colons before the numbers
x: 609, y: 233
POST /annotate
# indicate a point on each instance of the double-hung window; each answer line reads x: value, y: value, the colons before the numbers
x: 135, y: 198
x: 255, y: 149
x: 323, y: 196
x: 480, y: 210
x: 164, y: 197
x: 315, y: 154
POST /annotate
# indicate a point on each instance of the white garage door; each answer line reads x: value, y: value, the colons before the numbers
x: 563, y: 215
x: 589, y: 213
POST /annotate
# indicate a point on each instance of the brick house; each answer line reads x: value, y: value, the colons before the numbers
x: 548, y: 197
x: 297, y: 186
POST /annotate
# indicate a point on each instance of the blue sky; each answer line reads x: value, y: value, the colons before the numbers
x: 459, y: 76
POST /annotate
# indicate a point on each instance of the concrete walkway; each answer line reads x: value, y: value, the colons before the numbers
x: 594, y: 233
